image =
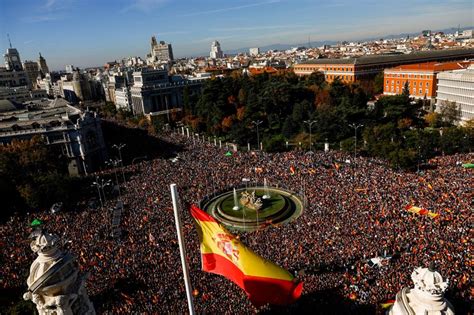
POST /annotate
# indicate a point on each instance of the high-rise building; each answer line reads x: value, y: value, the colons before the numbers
x: 254, y: 51
x: 160, y: 52
x: 32, y: 71
x: 42, y: 65
x: 216, y: 51
x: 13, y: 74
x: 12, y: 60
x: 69, y: 68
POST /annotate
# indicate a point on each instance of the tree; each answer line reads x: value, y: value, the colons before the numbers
x: 450, y: 113
x: 378, y: 83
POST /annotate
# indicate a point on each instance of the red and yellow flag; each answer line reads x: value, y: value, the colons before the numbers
x: 292, y: 170
x: 223, y: 254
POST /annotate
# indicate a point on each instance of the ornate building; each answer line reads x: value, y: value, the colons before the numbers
x: 55, y: 284
x: 43, y: 67
x: 427, y: 297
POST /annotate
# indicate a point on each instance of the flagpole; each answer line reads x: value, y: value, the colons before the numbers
x: 182, y: 248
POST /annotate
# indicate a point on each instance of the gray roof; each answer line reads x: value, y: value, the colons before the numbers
x: 430, y: 55
x: 8, y: 106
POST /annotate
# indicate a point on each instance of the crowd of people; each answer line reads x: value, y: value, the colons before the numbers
x: 352, y: 214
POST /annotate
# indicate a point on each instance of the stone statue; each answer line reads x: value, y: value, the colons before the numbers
x: 427, y: 297
x: 251, y: 201
x: 54, y: 283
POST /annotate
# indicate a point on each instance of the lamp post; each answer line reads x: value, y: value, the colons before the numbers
x: 115, y: 163
x: 355, y: 144
x: 119, y: 147
x: 310, y: 125
x: 257, y: 123
x: 101, y: 183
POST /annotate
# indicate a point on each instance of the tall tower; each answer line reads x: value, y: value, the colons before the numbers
x: 216, y: 51
x: 55, y: 283
x: 42, y: 65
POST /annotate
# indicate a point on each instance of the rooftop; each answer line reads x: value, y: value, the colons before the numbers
x: 377, y: 59
x: 433, y: 66
x: 36, y: 114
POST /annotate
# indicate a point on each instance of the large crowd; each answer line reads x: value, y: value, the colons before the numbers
x: 352, y: 214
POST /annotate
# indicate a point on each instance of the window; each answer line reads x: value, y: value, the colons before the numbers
x: 414, y: 83
x: 421, y: 91
x: 398, y: 82
x: 387, y: 82
x: 427, y: 84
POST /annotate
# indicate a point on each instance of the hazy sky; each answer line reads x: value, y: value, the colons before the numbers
x: 91, y: 32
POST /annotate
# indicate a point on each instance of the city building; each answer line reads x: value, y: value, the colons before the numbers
x: 154, y: 92
x: 160, y: 52
x: 457, y: 86
x: 123, y: 98
x: 13, y: 78
x: 42, y: 65
x: 13, y: 73
x: 32, y: 71
x: 421, y: 78
x: 73, y: 133
x: 216, y: 52
x: 254, y: 51
x: 21, y: 93
x: 69, y: 68
x: 12, y: 59
x: 366, y: 67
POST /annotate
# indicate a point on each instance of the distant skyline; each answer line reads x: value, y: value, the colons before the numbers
x: 91, y: 32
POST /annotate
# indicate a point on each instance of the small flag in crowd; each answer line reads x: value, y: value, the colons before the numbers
x: 337, y: 166
x: 228, y: 153
x: 223, y: 254
x: 387, y: 304
x: 421, y: 211
x: 36, y: 222
x: 292, y: 170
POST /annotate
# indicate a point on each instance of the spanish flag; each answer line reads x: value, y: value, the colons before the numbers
x: 223, y: 254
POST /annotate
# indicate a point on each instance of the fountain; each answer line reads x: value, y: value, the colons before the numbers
x: 266, y: 190
x: 236, y: 202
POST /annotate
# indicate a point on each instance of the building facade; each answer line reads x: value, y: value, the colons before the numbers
x: 216, y: 52
x: 13, y: 74
x: 21, y: 94
x: 43, y: 66
x: 75, y: 134
x: 12, y: 60
x: 421, y: 78
x: 154, y: 92
x: 366, y: 67
x: 457, y: 86
x: 32, y: 71
x: 160, y: 52
x: 254, y: 51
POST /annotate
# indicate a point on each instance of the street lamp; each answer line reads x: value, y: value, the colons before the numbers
x: 257, y: 123
x: 310, y: 124
x: 115, y: 163
x: 119, y: 147
x: 101, y: 183
x: 355, y: 143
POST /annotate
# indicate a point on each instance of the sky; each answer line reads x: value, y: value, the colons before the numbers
x: 92, y: 32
